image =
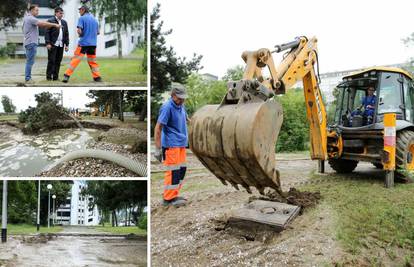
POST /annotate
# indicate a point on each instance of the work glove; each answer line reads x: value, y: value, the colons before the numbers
x: 158, y: 154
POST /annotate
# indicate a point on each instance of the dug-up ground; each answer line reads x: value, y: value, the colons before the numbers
x: 357, y: 222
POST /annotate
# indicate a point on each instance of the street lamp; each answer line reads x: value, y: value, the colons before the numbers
x: 49, y: 187
x: 4, y: 213
x: 38, y: 207
x: 54, y: 215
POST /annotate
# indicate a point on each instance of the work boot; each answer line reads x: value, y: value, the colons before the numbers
x: 174, y: 202
x: 65, y: 78
x: 98, y: 79
x: 181, y: 198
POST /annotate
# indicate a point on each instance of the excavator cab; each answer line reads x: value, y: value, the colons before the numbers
x: 359, y: 130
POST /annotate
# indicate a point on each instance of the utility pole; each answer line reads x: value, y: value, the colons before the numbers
x: 38, y: 207
x: 4, y: 214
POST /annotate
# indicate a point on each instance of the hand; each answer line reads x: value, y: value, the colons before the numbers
x: 57, y: 26
x: 158, y: 154
x: 49, y: 46
x: 66, y: 48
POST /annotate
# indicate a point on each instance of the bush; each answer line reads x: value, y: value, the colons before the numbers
x: 7, y: 50
x: 142, y: 222
x: 294, y: 133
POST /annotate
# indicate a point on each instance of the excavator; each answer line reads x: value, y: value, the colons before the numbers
x: 236, y: 139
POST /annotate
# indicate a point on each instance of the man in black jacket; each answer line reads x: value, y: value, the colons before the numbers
x: 56, y: 40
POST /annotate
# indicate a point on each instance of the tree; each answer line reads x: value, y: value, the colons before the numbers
x: 11, y: 12
x: 136, y: 101
x: 233, y: 74
x: 7, y: 104
x: 166, y: 66
x: 121, y: 14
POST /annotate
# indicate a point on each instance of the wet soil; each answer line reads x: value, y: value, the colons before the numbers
x: 200, y: 233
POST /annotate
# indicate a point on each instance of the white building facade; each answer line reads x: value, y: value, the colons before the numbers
x: 76, y: 211
x: 107, y: 45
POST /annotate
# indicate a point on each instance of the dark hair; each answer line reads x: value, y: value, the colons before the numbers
x: 32, y: 7
x: 58, y: 9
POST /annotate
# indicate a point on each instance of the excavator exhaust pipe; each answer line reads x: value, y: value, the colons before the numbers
x: 236, y: 139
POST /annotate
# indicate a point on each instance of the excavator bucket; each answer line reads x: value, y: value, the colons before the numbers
x: 236, y: 141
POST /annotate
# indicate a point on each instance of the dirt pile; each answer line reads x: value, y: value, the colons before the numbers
x: 41, y: 238
x: 303, y: 199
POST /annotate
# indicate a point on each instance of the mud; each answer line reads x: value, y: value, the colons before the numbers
x: 201, y: 235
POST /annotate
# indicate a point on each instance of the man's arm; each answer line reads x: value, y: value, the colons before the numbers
x: 157, y: 135
x: 66, y: 33
x: 45, y: 24
x: 48, y: 36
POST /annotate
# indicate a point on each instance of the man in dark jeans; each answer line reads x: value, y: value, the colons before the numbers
x: 88, y: 30
x: 56, y: 40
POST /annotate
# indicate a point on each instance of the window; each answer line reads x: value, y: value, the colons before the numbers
x: 89, y: 220
x: 41, y: 3
x: 408, y: 99
x: 390, y: 93
x: 110, y: 43
x: 109, y: 26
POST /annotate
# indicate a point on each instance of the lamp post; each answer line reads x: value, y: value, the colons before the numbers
x: 49, y: 187
x: 4, y: 213
x: 54, y: 215
x: 38, y: 206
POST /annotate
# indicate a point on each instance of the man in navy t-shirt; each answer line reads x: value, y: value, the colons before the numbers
x: 88, y: 30
x: 171, y: 141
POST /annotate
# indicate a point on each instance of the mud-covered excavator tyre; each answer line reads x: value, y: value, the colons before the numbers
x: 404, y: 160
x: 343, y: 165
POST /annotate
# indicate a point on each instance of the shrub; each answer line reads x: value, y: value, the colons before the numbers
x: 142, y: 222
x: 7, y: 50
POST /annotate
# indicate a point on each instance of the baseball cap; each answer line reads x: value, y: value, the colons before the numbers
x: 179, y: 90
x: 84, y: 7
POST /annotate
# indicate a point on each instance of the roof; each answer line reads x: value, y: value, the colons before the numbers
x: 389, y: 69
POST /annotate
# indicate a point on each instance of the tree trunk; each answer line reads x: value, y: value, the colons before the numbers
x: 112, y: 219
x: 121, y: 100
x: 143, y: 113
x: 118, y: 36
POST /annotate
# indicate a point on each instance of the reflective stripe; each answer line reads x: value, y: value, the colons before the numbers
x: 77, y: 57
x: 173, y: 186
x: 95, y: 69
x: 175, y: 167
x: 71, y: 68
x: 91, y: 59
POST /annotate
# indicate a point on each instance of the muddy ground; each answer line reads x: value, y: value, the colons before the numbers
x: 198, y: 234
x: 52, y: 250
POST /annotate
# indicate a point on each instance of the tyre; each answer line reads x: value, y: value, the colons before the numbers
x: 404, y: 160
x: 343, y: 165
x: 378, y: 165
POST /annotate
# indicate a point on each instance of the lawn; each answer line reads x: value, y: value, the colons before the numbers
x: 113, y: 71
x: 371, y: 220
x: 122, y: 230
x: 8, y: 117
x: 138, y: 52
x: 3, y: 60
x: 18, y: 229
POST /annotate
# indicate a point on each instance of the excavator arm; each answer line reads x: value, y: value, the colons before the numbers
x: 236, y: 139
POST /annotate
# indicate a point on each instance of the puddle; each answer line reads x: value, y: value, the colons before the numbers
x: 27, y: 155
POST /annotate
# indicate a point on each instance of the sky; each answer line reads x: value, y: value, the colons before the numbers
x: 351, y: 34
x: 23, y: 97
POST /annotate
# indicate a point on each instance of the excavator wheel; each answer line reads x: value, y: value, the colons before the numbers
x: 378, y: 165
x: 343, y: 165
x: 404, y: 160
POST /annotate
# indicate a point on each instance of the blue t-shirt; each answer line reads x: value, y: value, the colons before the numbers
x: 369, y: 100
x: 89, y: 26
x: 174, y: 130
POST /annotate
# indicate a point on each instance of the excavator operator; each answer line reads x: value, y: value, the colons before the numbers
x: 368, y: 103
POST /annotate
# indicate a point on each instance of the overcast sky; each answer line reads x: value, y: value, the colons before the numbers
x: 23, y: 97
x: 351, y: 34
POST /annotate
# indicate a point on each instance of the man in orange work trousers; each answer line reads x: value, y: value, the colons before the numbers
x: 88, y: 30
x: 170, y: 143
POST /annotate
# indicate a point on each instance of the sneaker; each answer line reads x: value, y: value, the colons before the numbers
x: 98, y: 79
x: 65, y: 78
x: 29, y: 82
x: 48, y: 78
x: 181, y: 198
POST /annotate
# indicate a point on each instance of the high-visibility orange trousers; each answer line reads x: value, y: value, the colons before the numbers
x: 175, y: 163
x: 78, y: 55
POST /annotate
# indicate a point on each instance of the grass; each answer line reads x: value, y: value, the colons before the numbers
x: 122, y: 230
x: 113, y: 70
x: 370, y: 217
x: 138, y: 52
x: 3, y: 60
x: 26, y: 229
x: 8, y: 117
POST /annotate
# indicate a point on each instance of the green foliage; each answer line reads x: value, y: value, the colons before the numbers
x: 234, y: 74
x: 142, y: 222
x: 7, y: 50
x: 11, y: 12
x: 294, y: 133
x: 22, y: 199
x: 202, y: 92
x: 7, y: 104
x: 44, y: 116
x: 166, y: 66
